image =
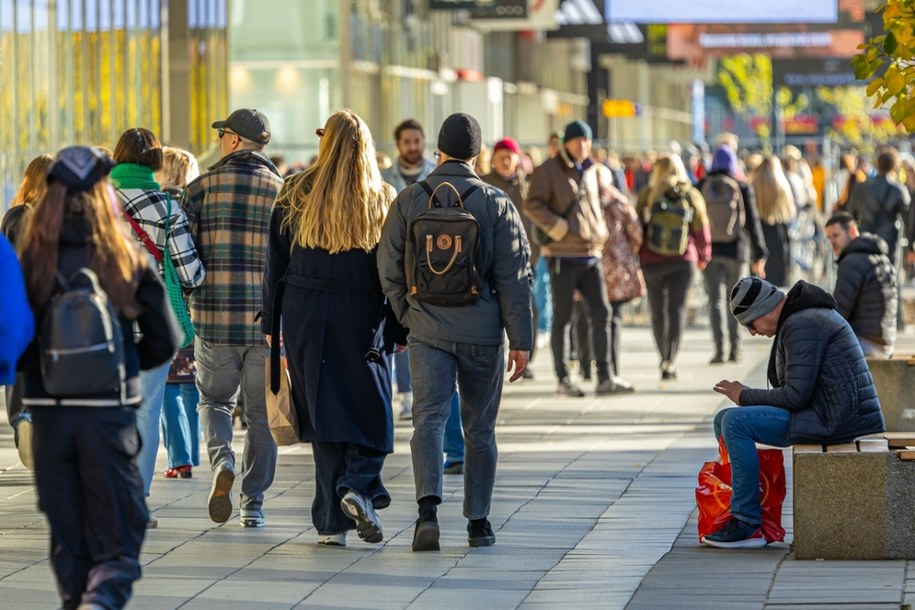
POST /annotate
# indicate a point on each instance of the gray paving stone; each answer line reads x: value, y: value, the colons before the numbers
x: 593, y: 507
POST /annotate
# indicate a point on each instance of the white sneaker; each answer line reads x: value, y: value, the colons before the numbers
x: 332, y: 539
x: 359, y: 508
x: 406, y: 405
x: 251, y: 517
x: 24, y: 432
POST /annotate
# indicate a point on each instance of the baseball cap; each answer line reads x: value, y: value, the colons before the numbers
x: 248, y: 123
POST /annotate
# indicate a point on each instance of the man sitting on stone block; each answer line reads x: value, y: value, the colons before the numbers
x: 822, y: 392
x: 866, y: 289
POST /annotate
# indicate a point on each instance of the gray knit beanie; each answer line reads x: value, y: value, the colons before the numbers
x: 752, y: 298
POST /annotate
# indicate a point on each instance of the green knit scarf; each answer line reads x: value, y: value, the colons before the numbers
x: 134, y: 176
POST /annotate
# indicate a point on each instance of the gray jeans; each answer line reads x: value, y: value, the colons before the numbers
x: 720, y: 276
x: 478, y: 369
x: 221, y: 371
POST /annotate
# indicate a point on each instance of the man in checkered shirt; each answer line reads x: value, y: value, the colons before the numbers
x: 228, y: 211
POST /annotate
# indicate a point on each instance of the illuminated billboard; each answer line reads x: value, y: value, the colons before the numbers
x: 716, y: 11
x: 695, y: 42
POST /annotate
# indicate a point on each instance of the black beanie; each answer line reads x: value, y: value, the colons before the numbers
x: 460, y: 137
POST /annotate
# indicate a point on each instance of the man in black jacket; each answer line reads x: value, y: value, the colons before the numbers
x: 866, y: 290
x: 881, y: 204
x: 821, y: 392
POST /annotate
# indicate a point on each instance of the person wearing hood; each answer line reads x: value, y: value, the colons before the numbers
x: 821, y: 392
x: 737, y: 239
x: 866, y: 289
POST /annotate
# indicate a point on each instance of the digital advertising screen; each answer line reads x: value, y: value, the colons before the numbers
x: 717, y: 11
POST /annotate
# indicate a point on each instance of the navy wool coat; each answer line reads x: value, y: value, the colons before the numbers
x: 331, y: 308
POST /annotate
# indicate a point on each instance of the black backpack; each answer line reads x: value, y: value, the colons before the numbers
x: 81, y: 341
x: 441, y: 252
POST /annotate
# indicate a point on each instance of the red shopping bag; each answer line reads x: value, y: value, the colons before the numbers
x: 713, y: 495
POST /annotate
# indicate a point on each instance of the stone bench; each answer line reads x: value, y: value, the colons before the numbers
x: 855, y: 501
x: 895, y: 382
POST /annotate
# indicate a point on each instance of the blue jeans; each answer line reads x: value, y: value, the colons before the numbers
x: 342, y: 467
x: 402, y: 371
x: 152, y: 388
x: 435, y: 365
x: 543, y: 300
x: 742, y: 428
x: 454, y: 436
x: 181, y: 425
x: 223, y: 371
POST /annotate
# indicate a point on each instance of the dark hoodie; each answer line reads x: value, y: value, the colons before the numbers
x: 866, y: 291
x: 818, y: 372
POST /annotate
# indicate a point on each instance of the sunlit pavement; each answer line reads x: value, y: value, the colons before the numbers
x: 593, y: 506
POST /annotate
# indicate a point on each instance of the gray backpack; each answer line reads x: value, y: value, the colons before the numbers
x: 724, y: 204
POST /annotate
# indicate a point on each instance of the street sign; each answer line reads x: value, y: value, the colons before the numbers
x: 621, y: 108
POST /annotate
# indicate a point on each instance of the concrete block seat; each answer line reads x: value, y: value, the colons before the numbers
x: 857, y: 500
x: 895, y: 382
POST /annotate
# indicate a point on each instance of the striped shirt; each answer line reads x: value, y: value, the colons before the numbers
x: 228, y: 211
x: 148, y: 209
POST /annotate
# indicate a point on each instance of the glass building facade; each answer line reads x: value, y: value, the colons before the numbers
x: 83, y: 71
x: 391, y: 59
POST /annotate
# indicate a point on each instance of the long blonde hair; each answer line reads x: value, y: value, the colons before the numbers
x: 115, y: 257
x: 774, y: 200
x: 340, y: 202
x: 35, y: 181
x: 668, y: 171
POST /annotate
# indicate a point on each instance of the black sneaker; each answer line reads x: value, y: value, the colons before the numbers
x: 718, y: 358
x: 617, y: 385
x: 735, y: 356
x: 736, y: 534
x: 453, y: 468
x: 425, y: 535
x: 567, y: 388
x: 479, y: 533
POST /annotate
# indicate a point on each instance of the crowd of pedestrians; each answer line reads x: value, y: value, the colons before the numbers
x: 380, y: 320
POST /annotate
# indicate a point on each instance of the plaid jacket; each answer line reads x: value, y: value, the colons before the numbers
x: 228, y: 211
x: 148, y: 208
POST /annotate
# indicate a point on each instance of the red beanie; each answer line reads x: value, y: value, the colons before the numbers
x: 509, y: 144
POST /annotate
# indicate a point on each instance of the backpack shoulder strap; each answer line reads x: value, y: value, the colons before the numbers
x: 430, y: 192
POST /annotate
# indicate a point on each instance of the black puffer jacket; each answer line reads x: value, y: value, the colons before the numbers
x: 866, y: 289
x: 879, y: 205
x: 818, y: 372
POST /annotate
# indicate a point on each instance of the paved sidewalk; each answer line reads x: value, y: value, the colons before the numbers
x: 593, y: 506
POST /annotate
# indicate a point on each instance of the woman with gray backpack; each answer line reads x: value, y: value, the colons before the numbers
x: 88, y: 285
x: 737, y: 240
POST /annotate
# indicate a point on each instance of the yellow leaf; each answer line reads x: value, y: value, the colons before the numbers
x: 909, y: 123
x: 894, y: 82
x: 874, y: 86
